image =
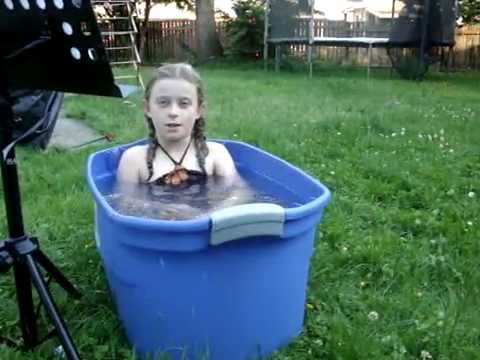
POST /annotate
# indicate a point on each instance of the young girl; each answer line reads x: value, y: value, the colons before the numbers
x: 177, y: 153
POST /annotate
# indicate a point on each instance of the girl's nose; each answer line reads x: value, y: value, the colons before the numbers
x: 173, y: 111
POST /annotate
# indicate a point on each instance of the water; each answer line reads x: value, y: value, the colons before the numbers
x: 170, y: 203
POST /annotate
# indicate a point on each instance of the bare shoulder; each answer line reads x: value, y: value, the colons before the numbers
x: 216, y: 148
x: 132, y: 166
x: 223, y: 164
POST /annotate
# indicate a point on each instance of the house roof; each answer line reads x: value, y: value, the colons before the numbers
x: 380, y: 8
x: 333, y: 9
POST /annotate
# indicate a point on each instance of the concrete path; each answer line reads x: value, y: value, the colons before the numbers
x: 71, y: 133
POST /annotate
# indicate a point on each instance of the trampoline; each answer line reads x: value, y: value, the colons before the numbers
x: 416, y: 25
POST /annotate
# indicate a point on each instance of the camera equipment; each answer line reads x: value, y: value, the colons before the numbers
x: 36, y: 113
x: 50, y: 45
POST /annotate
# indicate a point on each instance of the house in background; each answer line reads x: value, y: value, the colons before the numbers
x: 372, y: 17
x: 373, y: 12
x: 333, y: 9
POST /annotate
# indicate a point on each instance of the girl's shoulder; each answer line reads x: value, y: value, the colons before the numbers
x: 221, y: 160
x: 216, y: 148
x: 132, y: 166
x: 137, y: 150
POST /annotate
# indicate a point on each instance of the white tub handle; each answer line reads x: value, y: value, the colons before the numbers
x: 246, y: 220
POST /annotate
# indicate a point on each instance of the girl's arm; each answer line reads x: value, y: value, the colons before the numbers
x: 131, y: 166
x: 223, y: 164
x: 239, y: 191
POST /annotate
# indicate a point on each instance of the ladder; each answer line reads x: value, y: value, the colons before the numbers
x: 116, y: 19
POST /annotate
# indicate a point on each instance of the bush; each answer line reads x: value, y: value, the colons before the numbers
x: 245, y: 32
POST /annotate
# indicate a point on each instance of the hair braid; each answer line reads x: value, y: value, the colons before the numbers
x: 152, y: 146
x: 201, y: 147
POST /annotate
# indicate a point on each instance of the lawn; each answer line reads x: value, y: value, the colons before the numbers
x: 395, y: 271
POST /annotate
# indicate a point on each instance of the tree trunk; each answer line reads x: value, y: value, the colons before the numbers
x: 144, y: 31
x: 208, y: 44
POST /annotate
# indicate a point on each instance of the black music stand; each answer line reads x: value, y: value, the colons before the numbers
x: 50, y: 45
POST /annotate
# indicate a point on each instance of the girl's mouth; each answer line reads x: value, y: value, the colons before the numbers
x: 172, y: 125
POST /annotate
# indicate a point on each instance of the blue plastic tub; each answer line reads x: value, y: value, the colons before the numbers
x: 229, y: 286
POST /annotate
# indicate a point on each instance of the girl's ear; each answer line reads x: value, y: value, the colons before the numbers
x: 200, y: 111
x: 146, y: 108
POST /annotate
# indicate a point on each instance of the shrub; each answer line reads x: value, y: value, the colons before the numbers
x: 245, y: 32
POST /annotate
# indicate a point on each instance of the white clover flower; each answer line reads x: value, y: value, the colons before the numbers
x: 386, y: 339
x: 469, y: 223
x: 332, y: 172
x: 418, y: 221
x: 425, y: 355
x: 442, y: 132
x: 471, y: 195
x: 339, y: 133
x: 373, y: 316
x: 394, y: 134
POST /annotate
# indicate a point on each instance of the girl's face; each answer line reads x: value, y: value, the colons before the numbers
x: 173, y: 107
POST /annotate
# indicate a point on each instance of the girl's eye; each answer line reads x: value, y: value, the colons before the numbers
x: 184, y: 102
x: 163, y: 102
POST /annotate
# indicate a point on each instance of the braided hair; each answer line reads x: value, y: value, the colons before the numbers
x: 185, y: 72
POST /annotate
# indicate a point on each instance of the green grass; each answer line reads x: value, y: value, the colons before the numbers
x: 394, y: 274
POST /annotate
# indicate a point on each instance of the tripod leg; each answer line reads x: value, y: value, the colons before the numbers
x: 28, y: 320
x: 51, y: 309
x: 45, y: 262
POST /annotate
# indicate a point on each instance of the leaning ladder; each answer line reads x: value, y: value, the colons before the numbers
x: 119, y: 32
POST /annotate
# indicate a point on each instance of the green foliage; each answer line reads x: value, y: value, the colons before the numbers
x: 395, y: 270
x: 470, y: 11
x: 245, y: 32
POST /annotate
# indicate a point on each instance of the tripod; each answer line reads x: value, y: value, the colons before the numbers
x: 23, y: 253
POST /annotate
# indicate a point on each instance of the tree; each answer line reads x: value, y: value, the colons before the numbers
x: 208, y: 44
x: 470, y: 11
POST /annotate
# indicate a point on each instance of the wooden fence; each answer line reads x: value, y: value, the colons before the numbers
x: 467, y: 48
x: 174, y: 40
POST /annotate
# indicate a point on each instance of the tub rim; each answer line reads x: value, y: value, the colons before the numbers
x: 204, y: 222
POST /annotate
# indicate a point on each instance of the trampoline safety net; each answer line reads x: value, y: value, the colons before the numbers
x: 400, y: 22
